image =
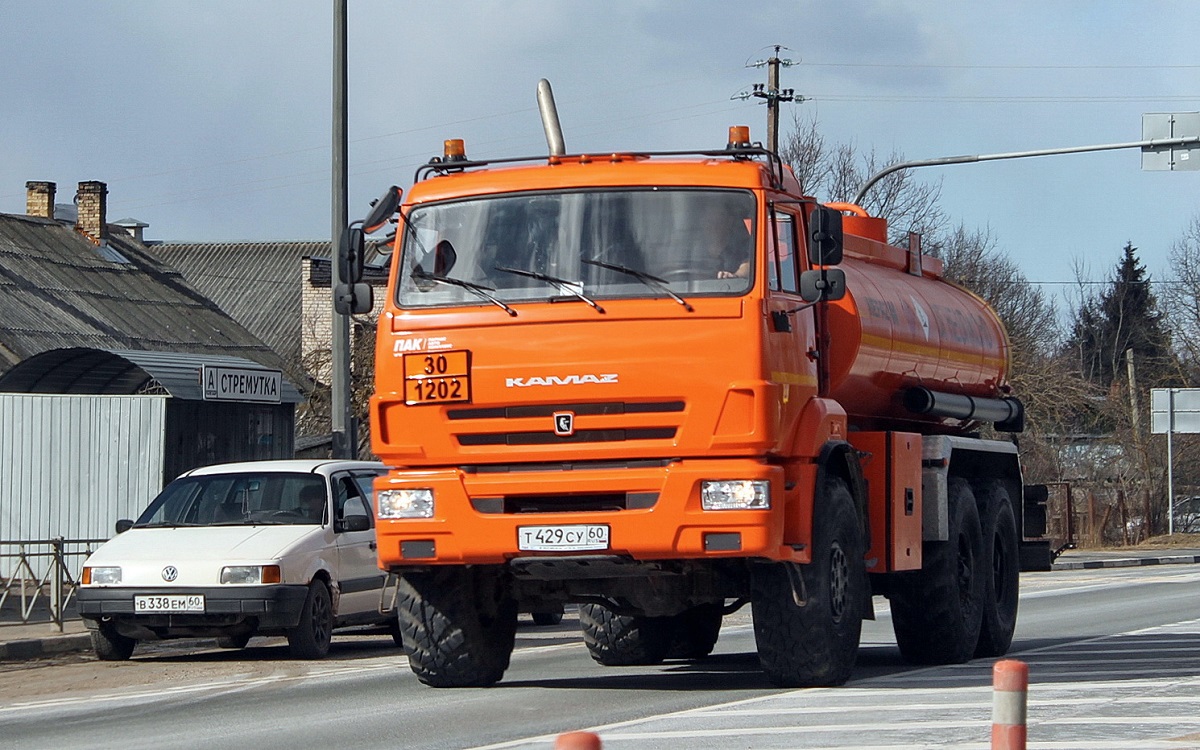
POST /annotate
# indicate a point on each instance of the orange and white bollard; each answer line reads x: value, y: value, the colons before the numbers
x: 577, y: 741
x: 1010, y: 690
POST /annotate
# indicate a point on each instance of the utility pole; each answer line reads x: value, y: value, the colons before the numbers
x: 772, y: 94
x: 345, y: 443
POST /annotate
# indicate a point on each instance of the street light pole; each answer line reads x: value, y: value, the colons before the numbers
x: 1152, y: 143
x: 345, y: 443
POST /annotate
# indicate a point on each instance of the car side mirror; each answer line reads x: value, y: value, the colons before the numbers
x: 124, y: 525
x: 824, y: 236
x: 355, y: 523
x: 823, y: 285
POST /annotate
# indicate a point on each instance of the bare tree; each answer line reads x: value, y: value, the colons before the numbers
x: 835, y: 174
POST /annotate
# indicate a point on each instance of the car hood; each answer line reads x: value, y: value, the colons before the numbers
x: 200, y: 552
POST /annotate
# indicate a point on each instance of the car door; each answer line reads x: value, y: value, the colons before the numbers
x: 358, y: 570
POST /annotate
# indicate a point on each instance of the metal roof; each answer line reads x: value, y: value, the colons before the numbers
x: 258, y: 284
x: 123, y: 372
x: 58, y: 292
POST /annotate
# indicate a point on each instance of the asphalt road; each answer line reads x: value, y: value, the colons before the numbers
x: 1114, y: 659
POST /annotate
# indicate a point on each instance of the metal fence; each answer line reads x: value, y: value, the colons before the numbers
x: 42, y: 577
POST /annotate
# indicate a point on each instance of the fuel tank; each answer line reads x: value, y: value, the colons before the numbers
x: 902, y: 326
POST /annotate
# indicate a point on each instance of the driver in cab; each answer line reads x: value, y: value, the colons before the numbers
x: 727, y: 236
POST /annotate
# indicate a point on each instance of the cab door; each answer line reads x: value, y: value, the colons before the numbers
x: 360, y: 577
x: 791, y: 339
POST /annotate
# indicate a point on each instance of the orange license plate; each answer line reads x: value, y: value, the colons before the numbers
x: 437, y: 377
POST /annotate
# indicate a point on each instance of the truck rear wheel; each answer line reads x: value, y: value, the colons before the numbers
x: 814, y: 643
x: 937, y: 611
x: 458, y: 626
x: 1001, y: 556
x: 694, y: 632
x: 624, y: 640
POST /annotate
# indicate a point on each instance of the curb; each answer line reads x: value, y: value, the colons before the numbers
x: 1125, y: 563
x: 34, y: 648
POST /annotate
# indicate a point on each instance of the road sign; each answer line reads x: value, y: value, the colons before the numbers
x: 1174, y: 410
x: 1160, y: 125
x: 240, y: 384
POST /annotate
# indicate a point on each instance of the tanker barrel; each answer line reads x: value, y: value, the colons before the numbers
x: 1007, y: 413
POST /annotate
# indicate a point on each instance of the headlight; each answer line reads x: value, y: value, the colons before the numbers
x: 250, y: 574
x: 735, y: 494
x: 101, y: 576
x: 405, y: 503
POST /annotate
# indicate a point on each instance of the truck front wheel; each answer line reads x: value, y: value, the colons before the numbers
x: 814, y: 643
x: 624, y: 640
x: 937, y: 611
x: 458, y: 626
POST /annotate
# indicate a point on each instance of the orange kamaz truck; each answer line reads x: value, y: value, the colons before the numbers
x: 662, y: 386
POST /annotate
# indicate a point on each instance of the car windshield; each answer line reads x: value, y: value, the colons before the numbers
x: 239, y: 499
x: 572, y: 245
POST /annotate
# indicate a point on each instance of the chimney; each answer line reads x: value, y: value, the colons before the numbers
x: 39, y: 199
x: 90, y: 200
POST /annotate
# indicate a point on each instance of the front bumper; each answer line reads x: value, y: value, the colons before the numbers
x: 673, y: 526
x: 258, y: 608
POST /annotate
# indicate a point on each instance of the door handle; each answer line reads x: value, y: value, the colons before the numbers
x: 373, y: 545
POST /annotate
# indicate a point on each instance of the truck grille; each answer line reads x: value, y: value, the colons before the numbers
x: 547, y: 436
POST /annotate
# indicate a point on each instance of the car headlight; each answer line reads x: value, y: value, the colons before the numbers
x: 735, y: 494
x: 101, y: 576
x: 250, y: 574
x: 405, y: 503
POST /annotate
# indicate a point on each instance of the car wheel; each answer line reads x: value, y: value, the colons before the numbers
x: 310, y: 639
x: 110, y: 645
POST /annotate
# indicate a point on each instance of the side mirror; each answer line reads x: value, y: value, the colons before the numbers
x: 124, y: 525
x: 353, y: 299
x: 355, y: 523
x: 382, y: 210
x: 824, y: 236
x: 350, y: 268
x: 822, y: 285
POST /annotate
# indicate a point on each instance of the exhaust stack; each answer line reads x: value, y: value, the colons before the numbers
x: 554, y: 136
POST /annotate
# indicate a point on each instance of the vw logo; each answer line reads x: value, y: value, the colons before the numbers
x: 564, y: 423
x: 170, y: 573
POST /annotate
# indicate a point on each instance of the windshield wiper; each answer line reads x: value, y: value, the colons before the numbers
x: 651, y: 281
x: 479, y: 289
x: 563, y: 285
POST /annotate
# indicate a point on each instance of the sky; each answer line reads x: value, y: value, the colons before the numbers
x: 211, y: 121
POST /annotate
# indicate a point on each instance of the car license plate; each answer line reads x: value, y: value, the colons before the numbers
x: 572, y: 538
x: 172, y: 603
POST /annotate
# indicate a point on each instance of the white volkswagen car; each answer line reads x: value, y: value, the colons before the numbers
x: 237, y: 550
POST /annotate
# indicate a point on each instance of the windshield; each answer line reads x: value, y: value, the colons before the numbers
x: 580, y: 246
x: 239, y: 499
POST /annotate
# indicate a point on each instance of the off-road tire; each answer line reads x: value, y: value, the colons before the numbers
x: 937, y: 611
x: 233, y: 641
x: 110, y: 645
x: 1001, y: 556
x: 624, y: 640
x: 458, y: 626
x: 815, y: 644
x: 694, y: 632
x: 311, y: 637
